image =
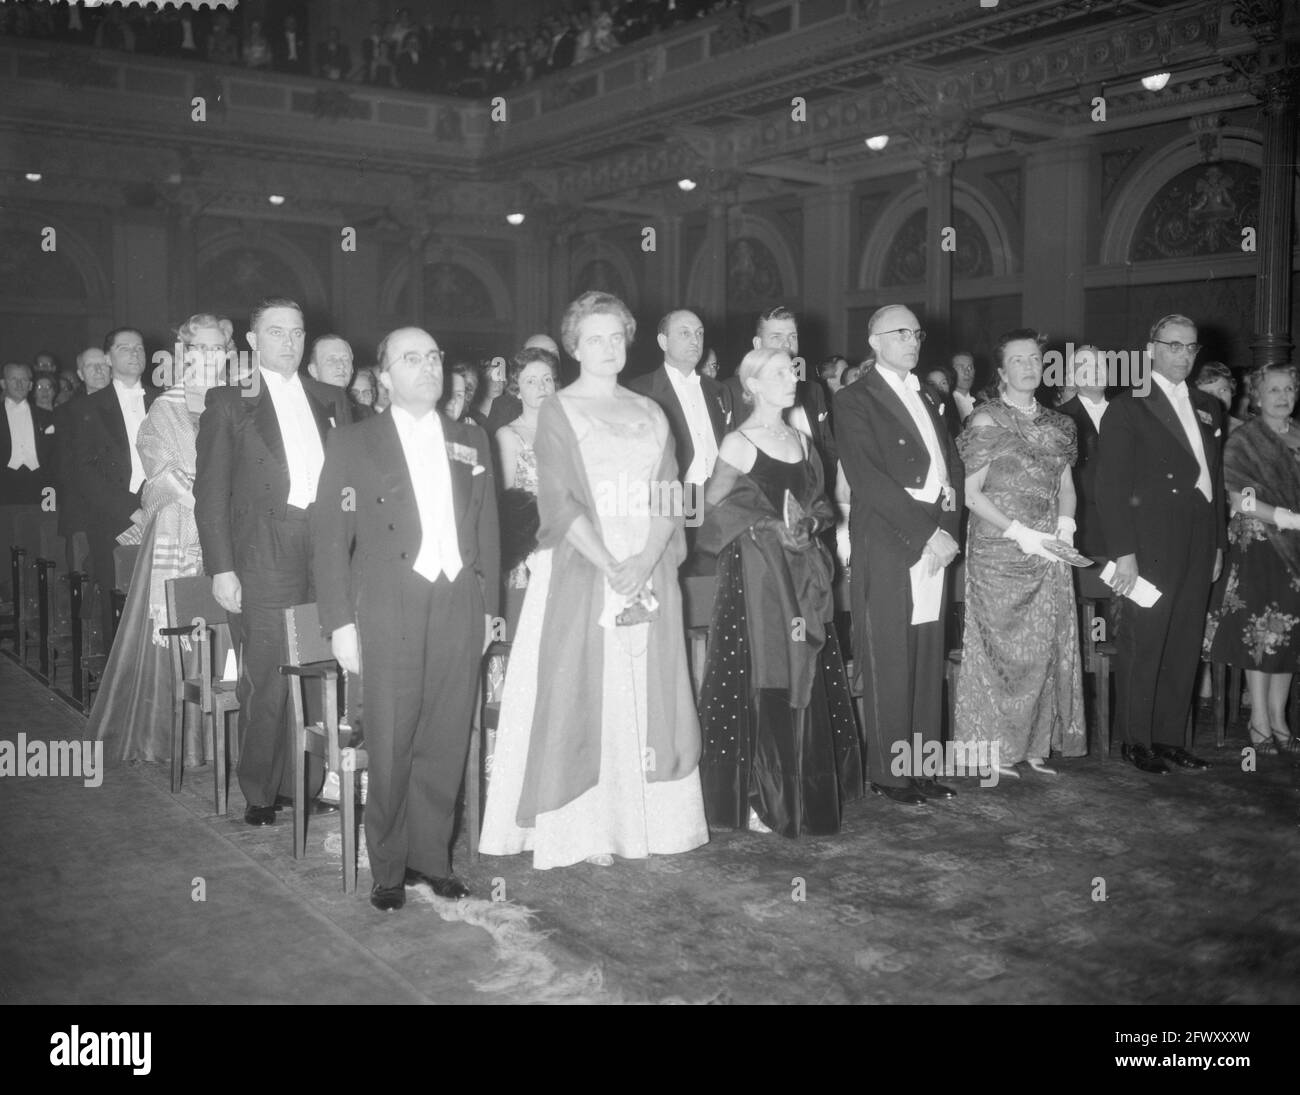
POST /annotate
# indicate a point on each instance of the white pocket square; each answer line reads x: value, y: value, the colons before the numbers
x: 48, y: 429
x: 1218, y: 433
x: 331, y: 421
x: 823, y: 416
x: 478, y: 469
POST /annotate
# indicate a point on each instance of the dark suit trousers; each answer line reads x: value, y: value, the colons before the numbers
x: 276, y: 575
x: 419, y: 663
x: 902, y: 679
x: 1159, y: 648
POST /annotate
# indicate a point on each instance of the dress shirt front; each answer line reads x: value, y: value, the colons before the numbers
x: 690, y: 395
x: 22, y: 435
x: 1095, y: 410
x: 302, y: 445
x: 425, y: 448
x: 1181, y: 398
x: 908, y: 389
x: 131, y: 400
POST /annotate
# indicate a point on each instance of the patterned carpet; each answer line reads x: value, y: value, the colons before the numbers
x: 987, y: 898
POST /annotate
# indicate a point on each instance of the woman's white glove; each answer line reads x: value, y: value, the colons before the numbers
x: 1030, y: 540
x: 1286, y: 519
x: 1065, y: 529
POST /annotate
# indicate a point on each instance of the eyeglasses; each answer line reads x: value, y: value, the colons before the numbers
x: 906, y: 334
x: 415, y: 359
x: 1180, y: 347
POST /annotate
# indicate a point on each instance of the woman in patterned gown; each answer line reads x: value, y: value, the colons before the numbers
x: 597, y: 750
x: 1254, y: 614
x: 781, y: 750
x: 132, y: 713
x: 1020, y: 690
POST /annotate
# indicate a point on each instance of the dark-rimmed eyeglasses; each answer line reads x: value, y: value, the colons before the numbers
x: 1192, y: 348
x: 906, y: 334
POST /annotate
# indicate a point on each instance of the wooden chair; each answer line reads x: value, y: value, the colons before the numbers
x: 192, y: 612
x: 309, y: 657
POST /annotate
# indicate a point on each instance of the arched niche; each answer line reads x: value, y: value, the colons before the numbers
x: 1161, y: 168
x: 973, y: 215
x: 597, y: 264
x: 754, y: 247
x: 451, y: 273
x: 70, y: 273
x: 235, y: 271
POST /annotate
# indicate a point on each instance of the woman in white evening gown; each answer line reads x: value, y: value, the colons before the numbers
x: 597, y: 749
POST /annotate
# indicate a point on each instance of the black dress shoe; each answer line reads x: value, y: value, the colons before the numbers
x: 1175, y: 754
x: 259, y: 815
x: 932, y: 788
x: 1142, y: 759
x: 387, y: 898
x: 450, y: 887
x: 908, y: 796
x: 314, y: 808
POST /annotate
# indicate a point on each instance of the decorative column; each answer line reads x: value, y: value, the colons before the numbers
x: 1278, y: 93
x: 1056, y: 208
x: 670, y: 262
x: 826, y: 260
x: 941, y: 143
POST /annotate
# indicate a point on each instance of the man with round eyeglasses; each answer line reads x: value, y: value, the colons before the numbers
x: 906, y: 477
x: 1161, y: 502
x: 260, y: 450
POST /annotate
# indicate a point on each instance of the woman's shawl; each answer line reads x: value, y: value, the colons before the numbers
x: 1256, y: 458
x: 788, y: 601
x: 564, y: 751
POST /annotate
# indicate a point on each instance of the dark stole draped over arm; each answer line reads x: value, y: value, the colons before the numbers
x: 780, y: 583
x: 564, y: 751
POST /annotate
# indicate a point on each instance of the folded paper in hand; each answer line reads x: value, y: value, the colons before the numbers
x: 1144, y: 594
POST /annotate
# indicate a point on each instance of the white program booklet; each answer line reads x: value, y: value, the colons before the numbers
x: 1144, y: 593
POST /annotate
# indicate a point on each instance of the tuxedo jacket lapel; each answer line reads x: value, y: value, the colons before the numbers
x: 267, y: 424
x: 666, y: 396
x: 385, y: 449
x: 321, y: 413
x: 888, y: 398
x: 1163, y: 409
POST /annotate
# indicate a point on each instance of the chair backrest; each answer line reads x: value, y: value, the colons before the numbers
x: 304, y: 642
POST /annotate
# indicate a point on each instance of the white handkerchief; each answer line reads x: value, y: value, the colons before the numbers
x: 1144, y: 593
x: 927, y: 593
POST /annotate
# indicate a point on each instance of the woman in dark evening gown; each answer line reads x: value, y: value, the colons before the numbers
x: 780, y: 744
x: 1254, y: 613
x: 1020, y: 689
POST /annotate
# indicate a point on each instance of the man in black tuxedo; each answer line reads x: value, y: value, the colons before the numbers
x: 95, y: 373
x: 1160, y: 495
x: 333, y: 59
x: 407, y: 570
x: 698, y: 408
x: 105, y: 465
x: 26, y: 461
x: 1086, y: 408
x: 260, y: 450
x: 289, y: 48
x: 907, y: 481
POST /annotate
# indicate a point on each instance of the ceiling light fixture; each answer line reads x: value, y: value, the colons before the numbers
x: 687, y: 185
x: 33, y: 176
x: 276, y: 199
x: 878, y: 142
x: 1156, y: 81
x: 515, y: 218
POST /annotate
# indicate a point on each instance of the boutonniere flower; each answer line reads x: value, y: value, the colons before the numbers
x: 465, y: 454
x: 823, y: 416
x: 1204, y: 416
x: 1218, y: 433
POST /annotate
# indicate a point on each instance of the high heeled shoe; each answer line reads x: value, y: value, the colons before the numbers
x: 1038, y: 764
x: 1008, y: 770
x: 756, y: 823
